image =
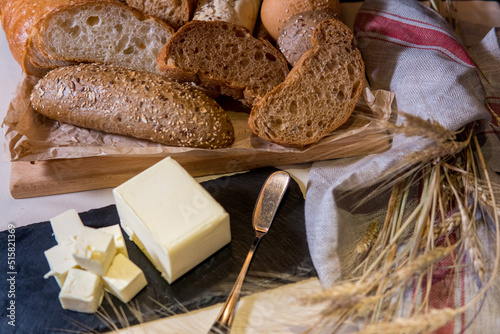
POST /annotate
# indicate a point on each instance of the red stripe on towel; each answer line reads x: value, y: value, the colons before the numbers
x: 411, y: 33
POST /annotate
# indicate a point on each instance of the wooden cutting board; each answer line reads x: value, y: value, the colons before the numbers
x: 50, y: 177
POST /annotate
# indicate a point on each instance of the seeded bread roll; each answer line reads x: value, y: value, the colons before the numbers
x: 295, y: 37
x: 318, y: 95
x: 138, y: 104
x: 274, y: 13
x: 102, y: 31
x: 225, y: 58
x: 175, y: 12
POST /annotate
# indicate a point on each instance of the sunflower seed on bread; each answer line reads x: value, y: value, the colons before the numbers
x: 318, y: 95
x: 133, y: 103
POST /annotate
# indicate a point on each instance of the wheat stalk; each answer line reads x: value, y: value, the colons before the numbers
x: 422, y: 263
x: 447, y: 225
x: 392, y: 261
x: 416, y: 126
x: 422, y: 323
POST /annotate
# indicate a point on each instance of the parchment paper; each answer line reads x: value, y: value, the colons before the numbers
x: 31, y: 136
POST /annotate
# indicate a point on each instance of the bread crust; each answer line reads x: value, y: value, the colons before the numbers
x: 133, y: 103
x: 19, y: 18
x: 296, y: 112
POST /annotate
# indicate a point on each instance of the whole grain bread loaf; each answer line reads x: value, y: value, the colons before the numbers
x: 175, y: 12
x: 133, y: 103
x: 225, y: 58
x: 318, y: 95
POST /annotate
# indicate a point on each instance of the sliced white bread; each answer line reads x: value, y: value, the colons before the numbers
x: 106, y: 31
x: 318, y: 95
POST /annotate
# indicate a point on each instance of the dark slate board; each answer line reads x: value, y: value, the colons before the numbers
x: 283, y: 251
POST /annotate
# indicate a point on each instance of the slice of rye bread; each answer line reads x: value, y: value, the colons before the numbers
x: 132, y: 103
x: 101, y: 31
x: 223, y: 57
x: 295, y: 37
x: 176, y: 13
x: 318, y: 95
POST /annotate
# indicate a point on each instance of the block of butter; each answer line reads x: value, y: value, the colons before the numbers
x: 94, y: 249
x: 172, y: 218
x: 124, y: 279
x: 82, y: 291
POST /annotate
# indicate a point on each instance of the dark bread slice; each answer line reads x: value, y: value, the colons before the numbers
x: 133, y: 103
x: 318, y: 95
x: 295, y: 34
x: 223, y: 57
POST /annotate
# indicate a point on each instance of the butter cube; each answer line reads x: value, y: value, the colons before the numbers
x: 124, y: 278
x: 172, y: 218
x: 82, y: 291
x: 66, y: 226
x: 60, y: 260
x: 116, y: 231
x: 94, y: 250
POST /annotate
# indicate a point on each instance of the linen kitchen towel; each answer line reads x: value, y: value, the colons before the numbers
x: 412, y: 51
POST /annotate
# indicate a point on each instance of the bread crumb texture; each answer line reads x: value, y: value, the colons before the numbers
x: 133, y: 103
x: 107, y: 32
x: 318, y: 95
x: 225, y: 58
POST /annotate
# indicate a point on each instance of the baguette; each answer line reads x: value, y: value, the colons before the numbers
x: 318, y: 95
x: 138, y: 104
x: 104, y: 31
x: 223, y: 57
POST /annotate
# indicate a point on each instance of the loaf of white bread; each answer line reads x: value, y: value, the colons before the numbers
x: 44, y: 34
